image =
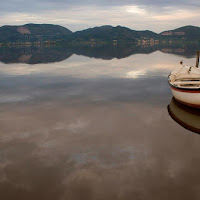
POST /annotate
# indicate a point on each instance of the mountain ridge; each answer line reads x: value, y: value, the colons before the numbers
x: 32, y: 32
x: 50, y: 32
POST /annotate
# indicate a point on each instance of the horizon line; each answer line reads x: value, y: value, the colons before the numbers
x: 99, y: 26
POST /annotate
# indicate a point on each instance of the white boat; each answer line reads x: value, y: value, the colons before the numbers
x: 185, y: 84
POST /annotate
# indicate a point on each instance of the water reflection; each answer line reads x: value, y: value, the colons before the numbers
x: 77, y: 149
x: 103, y: 80
x: 86, y: 128
x: 34, y: 55
x: 48, y: 54
x: 187, y: 117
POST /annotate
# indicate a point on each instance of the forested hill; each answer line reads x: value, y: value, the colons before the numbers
x: 187, y: 32
x: 32, y: 32
x: 56, y: 33
x: 112, y: 33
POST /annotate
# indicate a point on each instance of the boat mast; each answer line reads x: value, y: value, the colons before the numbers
x: 197, y: 60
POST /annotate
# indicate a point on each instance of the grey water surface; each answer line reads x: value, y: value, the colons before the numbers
x: 92, y: 124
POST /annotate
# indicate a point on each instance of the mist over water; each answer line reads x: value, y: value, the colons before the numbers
x: 92, y: 123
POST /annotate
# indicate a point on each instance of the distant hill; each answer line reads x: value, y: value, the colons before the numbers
x: 112, y: 33
x: 43, y: 32
x: 32, y: 33
x: 50, y: 32
x: 186, y: 32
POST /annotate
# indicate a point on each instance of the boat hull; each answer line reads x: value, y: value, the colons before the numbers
x: 187, y: 97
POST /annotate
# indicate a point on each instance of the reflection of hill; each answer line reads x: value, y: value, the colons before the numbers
x: 188, y: 51
x: 110, y: 51
x: 34, y: 55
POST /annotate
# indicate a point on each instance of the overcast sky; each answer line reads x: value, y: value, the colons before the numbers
x: 155, y: 15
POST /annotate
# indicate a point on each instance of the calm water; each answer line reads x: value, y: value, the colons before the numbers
x: 93, y: 124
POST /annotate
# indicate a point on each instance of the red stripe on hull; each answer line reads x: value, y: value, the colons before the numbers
x: 186, y: 91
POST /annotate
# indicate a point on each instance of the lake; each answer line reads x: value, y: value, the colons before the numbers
x: 93, y: 123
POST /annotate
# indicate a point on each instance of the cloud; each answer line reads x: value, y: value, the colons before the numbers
x: 38, y: 5
x: 155, y: 15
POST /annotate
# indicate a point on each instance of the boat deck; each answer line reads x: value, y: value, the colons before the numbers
x: 186, y: 83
